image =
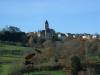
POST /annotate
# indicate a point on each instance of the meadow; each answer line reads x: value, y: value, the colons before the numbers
x: 47, y: 73
x: 9, y: 55
x: 12, y: 55
x: 11, y: 59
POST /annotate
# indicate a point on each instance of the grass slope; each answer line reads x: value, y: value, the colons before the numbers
x: 10, y: 54
x: 47, y: 73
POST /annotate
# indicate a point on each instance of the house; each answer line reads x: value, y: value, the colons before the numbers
x: 61, y: 36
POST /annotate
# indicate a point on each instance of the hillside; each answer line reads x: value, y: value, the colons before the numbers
x: 12, y: 56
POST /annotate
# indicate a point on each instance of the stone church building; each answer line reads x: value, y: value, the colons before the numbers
x: 47, y: 33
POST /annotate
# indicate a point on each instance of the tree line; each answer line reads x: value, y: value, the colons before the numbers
x: 12, y: 34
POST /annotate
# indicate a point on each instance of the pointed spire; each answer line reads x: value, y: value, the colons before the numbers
x: 46, y: 24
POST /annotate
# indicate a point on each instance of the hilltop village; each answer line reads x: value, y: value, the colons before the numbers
x: 50, y: 34
x: 14, y: 35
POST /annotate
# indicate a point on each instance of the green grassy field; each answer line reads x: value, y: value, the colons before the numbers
x: 5, y: 68
x: 47, y: 73
x: 13, y: 47
x: 10, y: 54
x: 7, y: 63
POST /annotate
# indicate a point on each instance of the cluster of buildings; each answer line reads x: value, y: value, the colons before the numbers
x: 48, y: 33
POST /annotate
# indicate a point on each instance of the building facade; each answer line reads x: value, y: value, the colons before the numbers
x: 47, y: 33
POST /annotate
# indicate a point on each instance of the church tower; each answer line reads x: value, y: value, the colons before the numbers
x: 46, y: 28
x: 46, y: 25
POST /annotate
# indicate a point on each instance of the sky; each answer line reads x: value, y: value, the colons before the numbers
x: 68, y: 16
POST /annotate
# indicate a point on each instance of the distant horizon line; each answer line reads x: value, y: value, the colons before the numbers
x: 36, y: 30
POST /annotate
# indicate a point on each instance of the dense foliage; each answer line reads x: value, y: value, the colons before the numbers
x: 12, y: 34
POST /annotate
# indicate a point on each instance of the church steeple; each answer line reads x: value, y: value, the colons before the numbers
x: 46, y: 25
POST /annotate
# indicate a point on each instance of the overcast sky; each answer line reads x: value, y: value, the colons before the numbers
x: 74, y: 16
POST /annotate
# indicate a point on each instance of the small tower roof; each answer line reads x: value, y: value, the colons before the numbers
x: 46, y: 22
